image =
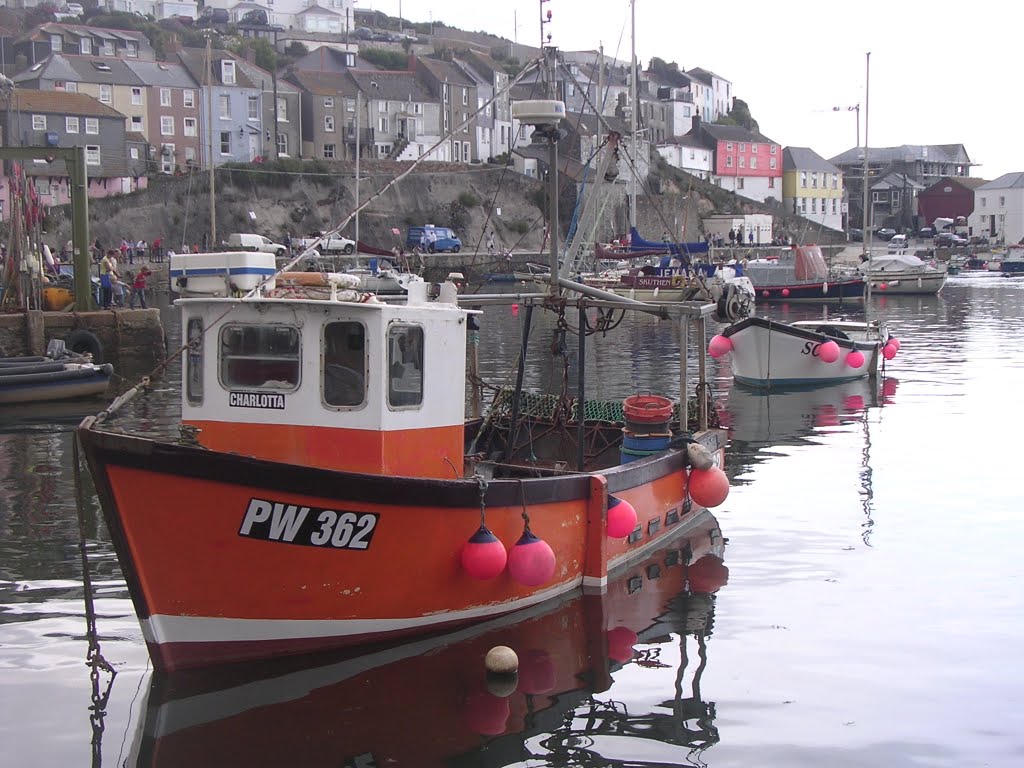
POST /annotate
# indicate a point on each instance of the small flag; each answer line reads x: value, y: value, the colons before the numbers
x: 394, y: 231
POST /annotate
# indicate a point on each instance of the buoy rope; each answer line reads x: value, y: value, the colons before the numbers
x: 481, y: 482
x: 522, y: 498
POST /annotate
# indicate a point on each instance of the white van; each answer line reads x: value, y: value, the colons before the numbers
x: 898, y: 243
x: 249, y: 242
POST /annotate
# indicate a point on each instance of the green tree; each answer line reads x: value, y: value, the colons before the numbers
x: 266, y: 56
x: 385, y: 59
x: 739, y: 115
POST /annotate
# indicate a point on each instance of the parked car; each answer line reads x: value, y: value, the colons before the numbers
x: 243, y: 241
x: 978, y: 240
x: 336, y: 244
x: 856, y: 235
x: 925, y: 232
x: 885, y: 233
x: 948, y: 240
x: 75, y: 9
x: 362, y: 33
x: 433, y: 239
x: 898, y: 243
x: 211, y: 16
x: 257, y: 16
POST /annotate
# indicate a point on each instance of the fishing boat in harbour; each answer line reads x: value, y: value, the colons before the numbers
x: 801, y: 275
x: 327, y: 489
x: 568, y: 651
x: 1013, y: 260
x: 51, y: 377
x: 904, y: 274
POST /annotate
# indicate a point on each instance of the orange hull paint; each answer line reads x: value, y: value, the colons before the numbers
x: 400, y: 453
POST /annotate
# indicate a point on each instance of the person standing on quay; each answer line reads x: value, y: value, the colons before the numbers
x: 139, y: 289
x: 108, y: 274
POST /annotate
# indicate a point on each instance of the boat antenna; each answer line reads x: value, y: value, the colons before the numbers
x: 632, y: 111
x: 867, y: 218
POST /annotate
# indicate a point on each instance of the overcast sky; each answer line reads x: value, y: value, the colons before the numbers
x: 941, y: 73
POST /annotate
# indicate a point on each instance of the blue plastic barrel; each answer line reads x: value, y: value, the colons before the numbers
x: 636, y: 442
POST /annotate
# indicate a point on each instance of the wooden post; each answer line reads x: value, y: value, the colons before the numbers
x: 684, y: 374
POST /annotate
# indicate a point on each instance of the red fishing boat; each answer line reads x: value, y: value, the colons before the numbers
x: 437, y: 695
x: 326, y: 488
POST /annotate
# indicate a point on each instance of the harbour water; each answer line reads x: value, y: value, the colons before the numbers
x: 873, y: 611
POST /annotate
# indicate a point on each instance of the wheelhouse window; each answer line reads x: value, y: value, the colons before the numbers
x: 405, y: 366
x: 344, y: 372
x: 194, y: 361
x: 260, y: 357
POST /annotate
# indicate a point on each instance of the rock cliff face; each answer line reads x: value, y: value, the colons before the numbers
x: 178, y: 209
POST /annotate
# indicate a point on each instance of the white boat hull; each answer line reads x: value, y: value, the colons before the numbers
x: 767, y: 354
x: 907, y: 283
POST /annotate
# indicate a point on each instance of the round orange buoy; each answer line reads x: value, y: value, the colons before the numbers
x: 708, y: 487
x: 828, y: 352
x: 622, y: 518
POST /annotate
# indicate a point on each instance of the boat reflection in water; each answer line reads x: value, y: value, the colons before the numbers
x: 431, y: 703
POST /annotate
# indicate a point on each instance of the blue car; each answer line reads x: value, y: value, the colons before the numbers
x: 433, y: 239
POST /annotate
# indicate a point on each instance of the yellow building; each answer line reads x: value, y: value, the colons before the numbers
x: 813, y: 188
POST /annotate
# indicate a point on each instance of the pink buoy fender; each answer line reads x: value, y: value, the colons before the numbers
x: 531, y: 562
x: 855, y: 359
x: 828, y: 352
x: 719, y: 345
x: 888, y: 351
x: 622, y: 518
x: 708, y: 487
x: 483, y: 556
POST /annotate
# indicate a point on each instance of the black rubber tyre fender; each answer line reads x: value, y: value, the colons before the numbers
x: 82, y: 342
x: 832, y: 331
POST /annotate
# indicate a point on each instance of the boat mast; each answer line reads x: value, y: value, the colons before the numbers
x: 867, y: 218
x: 632, y: 113
x: 209, y: 109
x: 358, y: 152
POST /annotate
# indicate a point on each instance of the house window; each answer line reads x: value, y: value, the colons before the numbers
x: 107, y: 49
x: 92, y: 154
x: 71, y: 86
x: 465, y: 97
x: 328, y: 102
x: 743, y: 147
x: 753, y: 162
x: 814, y: 181
x: 131, y: 50
x: 743, y: 162
x: 728, y: 161
x: 328, y: 151
x: 134, y: 153
x: 693, y: 153
x: 106, y: 94
x: 225, y: 142
x: 191, y: 127
x: 254, y: 108
x: 739, y: 182
x: 878, y: 197
x: 282, y: 110
x: 417, y: 109
x: 803, y: 179
x: 188, y: 98
x: 444, y: 93
x: 85, y: 46
x: 465, y: 152
x: 835, y: 181
x: 1002, y: 201
x: 42, y: 186
x: 329, y: 123
x: 136, y: 96
x: 983, y: 202
x: 728, y: 146
x: 137, y: 123
x: 350, y: 105
x: 350, y: 58
x: 383, y: 124
x: 382, y: 107
x: 772, y: 163
x: 773, y: 149
x: 753, y: 149
x: 803, y: 205
x: 190, y: 155
x: 56, y: 43
x: 282, y: 145
x: 38, y: 122
x: 166, y: 125
x: 227, y: 72
x: 771, y: 182
x: 446, y: 120
x: 71, y: 125
x: 224, y: 107
x: 92, y: 125
x: 834, y: 208
x: 165, y: 97
x: 814, y: 205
